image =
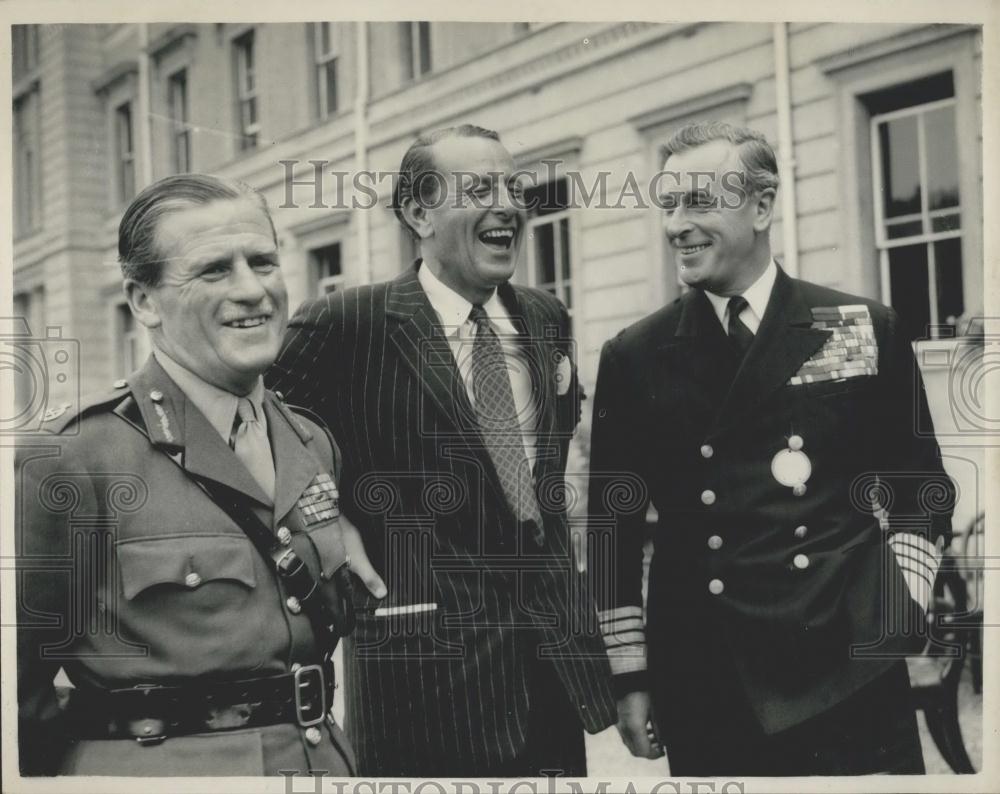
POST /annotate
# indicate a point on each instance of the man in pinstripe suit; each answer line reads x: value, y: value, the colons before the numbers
x: 453, y: 398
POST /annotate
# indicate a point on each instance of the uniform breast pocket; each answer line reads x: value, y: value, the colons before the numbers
x: 184, y: 563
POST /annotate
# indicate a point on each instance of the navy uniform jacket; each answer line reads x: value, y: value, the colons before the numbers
x: 445, y: 693
x: 132, y: 575
x: 802, y: 590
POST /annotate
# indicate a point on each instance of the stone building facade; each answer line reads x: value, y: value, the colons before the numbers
x: 877, y: 127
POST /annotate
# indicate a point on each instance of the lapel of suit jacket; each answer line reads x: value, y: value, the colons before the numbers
x: 177, y: 427
x: 784, y: 340
x: 425, y: 350
x: 295, y: 466
x: 699, y: 352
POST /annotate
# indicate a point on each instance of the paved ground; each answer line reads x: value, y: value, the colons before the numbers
x: 607, y: 757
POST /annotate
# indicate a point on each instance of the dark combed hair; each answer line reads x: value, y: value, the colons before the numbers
x: 138, y: 255
x: 418, y: 164
x: 756, y: 154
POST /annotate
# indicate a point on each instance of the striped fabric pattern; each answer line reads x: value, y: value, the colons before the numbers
x: 625, y: 638
x: 919, y: 560
x: 444, y: 692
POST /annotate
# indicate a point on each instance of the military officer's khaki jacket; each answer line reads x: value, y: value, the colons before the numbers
x: 131, y: 575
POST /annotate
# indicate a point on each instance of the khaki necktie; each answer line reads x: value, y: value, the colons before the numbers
x: 252, y: 447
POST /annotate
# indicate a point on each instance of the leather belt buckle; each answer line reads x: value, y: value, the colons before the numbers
x: 310, y: 694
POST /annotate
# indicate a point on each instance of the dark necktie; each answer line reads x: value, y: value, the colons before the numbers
x: 740, y: 336
x: 499, y: 423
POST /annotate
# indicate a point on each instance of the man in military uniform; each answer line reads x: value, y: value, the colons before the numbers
x: 767, y: 419
x: 188, y: 653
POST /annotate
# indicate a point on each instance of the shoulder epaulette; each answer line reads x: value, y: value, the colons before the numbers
x: 308, y: 414
x: 57, y: 419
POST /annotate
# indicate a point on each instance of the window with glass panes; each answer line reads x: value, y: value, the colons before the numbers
x: 327, y: 56
x: 177, y: 104
x: 124, y: 152
x: 246, y: 90
x: 327, y: 268
x: 133, y: 344
x: 24, y: 50
x: 549, y: 246
x: 918, y: 207
x: 416, y: 48
x: 27, y: 162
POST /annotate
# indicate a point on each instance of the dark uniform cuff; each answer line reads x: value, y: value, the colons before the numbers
x: 625, y: 683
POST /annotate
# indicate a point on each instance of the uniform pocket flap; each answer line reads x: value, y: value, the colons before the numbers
x: 184, y: 560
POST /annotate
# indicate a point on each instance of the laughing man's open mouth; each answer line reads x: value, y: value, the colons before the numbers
x: 501, y: 238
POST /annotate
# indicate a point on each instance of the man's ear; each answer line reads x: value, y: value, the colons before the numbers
x: 142, y: 302
x: 764, y: 209
x: 417, y: 217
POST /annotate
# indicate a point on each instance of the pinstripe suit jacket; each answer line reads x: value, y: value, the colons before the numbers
x: 444, y: 692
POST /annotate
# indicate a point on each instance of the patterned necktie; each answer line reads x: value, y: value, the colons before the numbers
x: 249, y: 442
x: 499, y: 423
x: 740, y: 336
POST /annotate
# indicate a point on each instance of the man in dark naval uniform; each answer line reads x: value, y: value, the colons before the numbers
x: 188, y: 651
x: 773, y: 425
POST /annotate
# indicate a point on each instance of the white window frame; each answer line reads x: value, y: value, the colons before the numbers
x: 26, y: 50
x: 564, y: 285
x: 322, y: 60
x: 124, y: 151
x: 131, y: 341
x: 927, y: 237
x: 859, y: 71
x: 323, y: 230
x: 180, y: 126
x: 29, y: 306
x: 415, y: 67
x: 27, y: 140
x: 246, y: 88
x: 327, y: 284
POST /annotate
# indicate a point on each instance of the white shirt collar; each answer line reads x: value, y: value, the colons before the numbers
x: 217, y: 405
x: 757, y: 296
x: 453, y: 309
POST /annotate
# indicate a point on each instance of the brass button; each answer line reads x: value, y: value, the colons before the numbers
x: 284, y: 536
x: 800, y: 531
x: 296, y: 667
x: 708, y: 497
x: 280, y: 396
x: 801, y: 561
x: 799, y: 489
x: 121, y: 383
x: 707, y: 451
x: 192, y: 579
x: 715, y: 587
x: 156, y: 396
x: 313, y: 736
x: 293, y: 605
x: 715, y: 542
x: 795, y: 443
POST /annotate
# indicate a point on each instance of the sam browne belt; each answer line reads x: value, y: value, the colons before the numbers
x: 151, y: 713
